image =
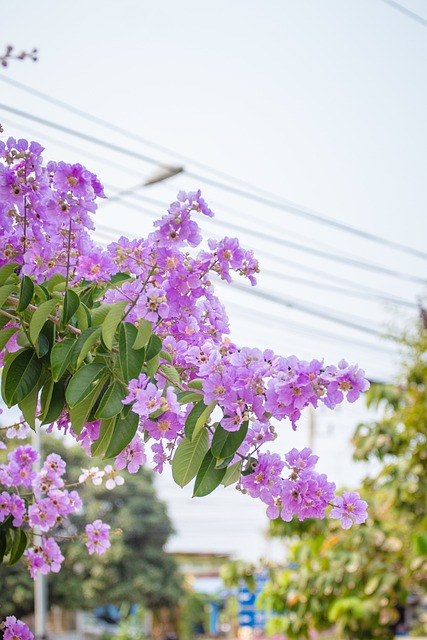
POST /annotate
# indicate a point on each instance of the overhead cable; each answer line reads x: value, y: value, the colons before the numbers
x: 406, y: 12
x: 257, y: 195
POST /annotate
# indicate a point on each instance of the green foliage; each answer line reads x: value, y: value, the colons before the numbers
x: 188, y: 458
x: 77, y: 354
x: 225, y: 443
x: 208, y: 477
x: 355, y: 579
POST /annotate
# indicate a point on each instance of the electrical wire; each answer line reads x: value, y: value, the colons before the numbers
x: 244, y: 311
x: 294, y: 304
x: 356, y: 287
x: 282, y: 242
x: 363, y: 293
x: 406, y: 12
x: 259, y: 196
x: 300, y: 306
x: 118, y: 196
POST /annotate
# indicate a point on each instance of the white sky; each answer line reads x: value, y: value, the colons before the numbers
x: 319, y: 102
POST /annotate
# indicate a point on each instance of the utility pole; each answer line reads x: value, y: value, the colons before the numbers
x: 311, y: 427
x: 40, y: 583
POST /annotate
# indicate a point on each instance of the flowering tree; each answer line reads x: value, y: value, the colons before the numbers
x: 127, y: 350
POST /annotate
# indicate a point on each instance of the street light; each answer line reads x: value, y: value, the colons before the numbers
x: 163, y: 173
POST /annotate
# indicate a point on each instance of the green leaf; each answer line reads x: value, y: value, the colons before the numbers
x: 54, y: 280
x: 81, y: 413
x: 111, y: 322
x: 82, y: 315
x: 99, y: 314
x: 171, y: 372
x: 84, y: 344
x: 131, y: 360
x: 7, y: 271
x: 111, y: 402
x: 46, y: 395
x: 87, y: 297
x: 60, y: 357
x: 188, y: 458
x: 420, y: 544
x: 39, y: 318
x: 250, y: 466
x: 22, y: 340
x: 3, y: 543
x: 41, y: 294
x: 145, y: 329
x: 52, y: 401
x: 197, y: 418
x: 26, y: 293
x: 154, y: 347
x: 5, y: 336
x: 3, y: 320
x: 197, y: 383
x: 225, y: 443
x: 19, y: 545
x: 208, y: 477
x: 165, y: 355
x: 71, y: 304
x: 5, y: 291
x: 184, y: 397
x: 223, y: 462
x: 28, y: 406
x: 119, y: 277
x: 83, y: 383
x: 100, y: 446
x: 123, y: 432
x: 42, y: 345
x: 153, y: 365
x: 232, y: 475
x: 20, y: 375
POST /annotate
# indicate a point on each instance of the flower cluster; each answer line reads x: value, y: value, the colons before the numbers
x: 49, y: 505
x: 163, y: 282
x: 14, y: 629
x: 97, y: 537
x: 45, y: 211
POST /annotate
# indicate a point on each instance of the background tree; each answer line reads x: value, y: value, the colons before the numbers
x: 359, y: 579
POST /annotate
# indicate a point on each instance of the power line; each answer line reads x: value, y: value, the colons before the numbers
x: 312, y: 250
x: 355, y: 294
x: 262, y: 197
x: 131, y: 191
x: 359, y: 290
x: 308, y: 214
x: 129, y: 134
x: 299, y: 306
x: 362, y: 293
x: 282, y: 242
x: 406, y: 12
x: 297, y: 326
x: 82, y: 136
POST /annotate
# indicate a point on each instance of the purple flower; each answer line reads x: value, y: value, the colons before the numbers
x: 46, y: 558
x: 96, y: 266
x: 16, y: 509
x: 159, y: 457
x: 298, y: 460
x: 133, y: 456
x: 266, y: 473
x: 349, y: 508
x: 98, y: 537
x: 16, y: 630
